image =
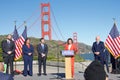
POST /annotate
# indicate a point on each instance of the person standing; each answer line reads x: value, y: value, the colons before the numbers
x: 42, y: 50
x: 8, y: 48
x: 71, y: 46
x: 98, y: 49
x: 114, y: 65
x: 27, y: 50
x: 106, y: 56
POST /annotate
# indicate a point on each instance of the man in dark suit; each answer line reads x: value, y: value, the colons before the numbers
x: 42, y: 50
x: 8, y: 48
x: 98, y: 49
x: 4, y: 76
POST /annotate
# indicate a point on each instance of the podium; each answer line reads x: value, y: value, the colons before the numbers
x: 68, y: 71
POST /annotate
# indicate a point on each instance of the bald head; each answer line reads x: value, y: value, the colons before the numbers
x: 1, y: 67
x: 97, y: 38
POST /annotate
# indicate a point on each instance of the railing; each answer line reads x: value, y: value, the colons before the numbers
x: 83, y: 66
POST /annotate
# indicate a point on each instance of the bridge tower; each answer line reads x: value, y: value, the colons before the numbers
x: 75, y: 39
x: 45, y: 20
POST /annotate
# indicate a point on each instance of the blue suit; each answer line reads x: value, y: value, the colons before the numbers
x: 4, y: 76
x: 28, y: 59
x: 98, y: 48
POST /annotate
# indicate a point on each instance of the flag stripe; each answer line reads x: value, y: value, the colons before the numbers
x: 116, y: 41
x: 110, y: 45
x: 114, y: 45
x: 107, y: 44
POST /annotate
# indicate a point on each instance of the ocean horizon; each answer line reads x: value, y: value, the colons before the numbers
x: 87, y: 56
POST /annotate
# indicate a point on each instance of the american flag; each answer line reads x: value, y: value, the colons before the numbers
x: 112, y: 43
x: 19, y: 43
x: 15, y: 34
x: 15, y: 38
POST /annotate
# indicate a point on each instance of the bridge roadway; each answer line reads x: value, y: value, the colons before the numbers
x: 52, y: 73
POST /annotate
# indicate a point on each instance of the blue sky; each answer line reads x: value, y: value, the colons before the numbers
x: 86, y: 17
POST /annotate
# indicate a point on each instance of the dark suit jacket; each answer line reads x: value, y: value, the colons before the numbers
x: 106, y: 55
x: 4, y: 76
x: 40, y: 50
x: 27, y: 50
x: 98, y: 47
x: 8, y: 47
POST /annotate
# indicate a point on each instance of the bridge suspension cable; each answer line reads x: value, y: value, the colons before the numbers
x: 55, y: 33
x: 57, y: 24
x: 28, y: 19
x: 37, y: 19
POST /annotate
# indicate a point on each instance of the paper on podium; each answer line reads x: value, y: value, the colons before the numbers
x: 67, y: 52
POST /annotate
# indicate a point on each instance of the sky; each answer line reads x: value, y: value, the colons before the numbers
x: 88, y: 18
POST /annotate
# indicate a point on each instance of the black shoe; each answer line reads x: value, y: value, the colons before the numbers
x: 39, y: 74
x: 45, y: 74
x: 25, y: 75
x: 30, y: 74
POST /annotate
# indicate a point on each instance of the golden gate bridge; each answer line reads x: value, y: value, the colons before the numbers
x: 46, y: 24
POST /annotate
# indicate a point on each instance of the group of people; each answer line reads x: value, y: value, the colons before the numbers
x: 100, y: 52
x: 8, y: 48
x: 101, y: 57
x: 95, y: 70
x: 28, y: 51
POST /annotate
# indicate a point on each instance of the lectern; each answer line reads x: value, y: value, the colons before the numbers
x: 68, y: 54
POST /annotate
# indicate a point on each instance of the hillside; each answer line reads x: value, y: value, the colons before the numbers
x: 53, y: 47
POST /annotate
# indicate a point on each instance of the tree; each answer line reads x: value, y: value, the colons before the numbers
x: 1, y: 59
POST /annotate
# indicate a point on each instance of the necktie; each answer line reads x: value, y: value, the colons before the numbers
x: 8, y: 41
x: 42, y: 46
x: 97, y: 43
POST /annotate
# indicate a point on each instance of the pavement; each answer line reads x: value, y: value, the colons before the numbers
x: 58, y: 73
x: 52, y: 74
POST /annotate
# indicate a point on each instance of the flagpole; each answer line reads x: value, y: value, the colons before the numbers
x: 15, y: 22
x: 115, y: 58
x: 15, y: 38
x: 114, y: 20
x: 24, y: 23
x: 15, y: 60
